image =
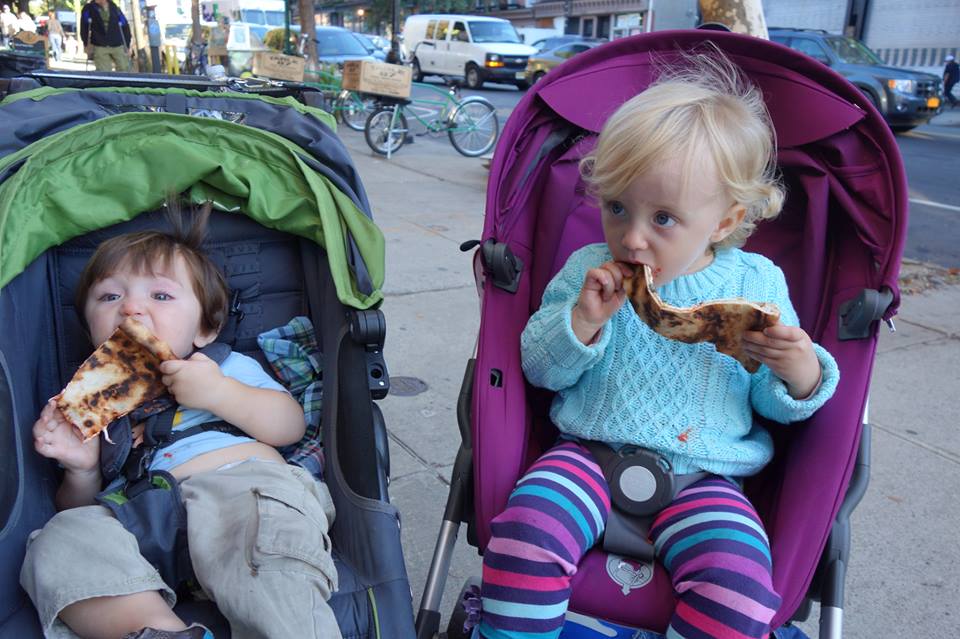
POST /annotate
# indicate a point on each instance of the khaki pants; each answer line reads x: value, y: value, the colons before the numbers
x: 258, y: 542
x: 104, y: 59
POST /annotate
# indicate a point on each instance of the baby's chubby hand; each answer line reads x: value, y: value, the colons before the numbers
x: 788, y: 351
x: 56, y: 438
x: 195, y: 382
x: 602, y: 295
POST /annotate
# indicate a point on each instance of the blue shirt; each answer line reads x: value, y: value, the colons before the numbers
x: 687, y: 402
x: 241, y: 368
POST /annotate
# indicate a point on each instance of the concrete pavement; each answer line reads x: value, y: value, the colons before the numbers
x: 903, y: 575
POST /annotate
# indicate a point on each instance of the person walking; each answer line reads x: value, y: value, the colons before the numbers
x: 26, y: 23
x: 55, y: 35
x: 951, y: 75
x: 9, y: 25
x: 106, y: 35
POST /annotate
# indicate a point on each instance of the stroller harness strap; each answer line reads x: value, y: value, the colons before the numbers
x: 149, y: 503
x: 642, y: 483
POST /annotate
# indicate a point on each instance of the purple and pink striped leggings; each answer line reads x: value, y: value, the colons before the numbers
x: 709, y: 539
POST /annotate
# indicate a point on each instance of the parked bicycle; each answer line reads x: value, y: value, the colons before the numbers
x: 470, y: 123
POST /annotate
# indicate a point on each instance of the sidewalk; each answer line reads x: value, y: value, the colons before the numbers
x: 903, y: 576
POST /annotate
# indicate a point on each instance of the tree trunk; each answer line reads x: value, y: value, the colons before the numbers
x: 197, y: 34
x: 307, y: 26
x: 741, y: 16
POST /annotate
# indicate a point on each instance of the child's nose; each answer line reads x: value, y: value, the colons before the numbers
x: 635, y: 240
x: 131, y: 306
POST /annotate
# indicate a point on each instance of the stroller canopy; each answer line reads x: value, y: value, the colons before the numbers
x: 69, y: 169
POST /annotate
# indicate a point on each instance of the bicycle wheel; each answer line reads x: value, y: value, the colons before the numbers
x: 354, y: 109
x: 381, y: 136
x: 473, y: 127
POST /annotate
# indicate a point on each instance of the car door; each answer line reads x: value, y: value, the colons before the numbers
x: 441, y: 37
x: 426, y: 51
x: 459, y: 48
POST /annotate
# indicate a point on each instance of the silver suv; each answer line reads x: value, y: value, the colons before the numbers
x: 905, y: 98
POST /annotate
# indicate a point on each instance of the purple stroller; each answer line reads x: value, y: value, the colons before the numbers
x: 839, y: 241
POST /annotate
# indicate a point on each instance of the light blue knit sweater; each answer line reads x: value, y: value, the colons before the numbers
x: 686, y: 401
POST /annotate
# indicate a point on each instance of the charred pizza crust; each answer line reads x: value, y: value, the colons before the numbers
x: 123, y: 373
x: 721, y: 322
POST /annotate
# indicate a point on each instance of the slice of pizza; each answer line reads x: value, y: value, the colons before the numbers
x: 721, y: 322
x: 123, y: 373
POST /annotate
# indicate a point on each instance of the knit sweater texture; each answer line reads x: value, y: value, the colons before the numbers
x: 687, y: 402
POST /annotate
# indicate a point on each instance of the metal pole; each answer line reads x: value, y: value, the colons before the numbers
x: 394, y: 56
x: 287, y: 47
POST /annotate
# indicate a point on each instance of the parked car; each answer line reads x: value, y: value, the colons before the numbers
x: 371, y: 47
x: 545, y: 44
x: 906, y: 99
x: 475, y: 48
x: 178, y: 34
x: 538, y: 65
x: 336, y: 45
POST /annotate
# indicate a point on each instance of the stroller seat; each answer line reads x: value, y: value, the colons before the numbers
x: 838, y: 241
x: 312, y: 251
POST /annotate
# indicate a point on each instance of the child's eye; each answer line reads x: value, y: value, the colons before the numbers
x: 108, y: 297
x: 163, y: 297
x: 616, y: 208
x: 663, y: 219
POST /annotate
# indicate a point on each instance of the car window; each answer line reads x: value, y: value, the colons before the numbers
x: 853, y: 51
x: 333, y: 43
x: 442, y: 27
x: 484, y: 31
x: 579, y: 48
x: 274, y: 18
x: 177, y: 31
x: 460, y: 32
x: 564, y: 52
x: 365, y: 42
x: 430, y: 28
x: 811, y: 47
x: 539, y: 45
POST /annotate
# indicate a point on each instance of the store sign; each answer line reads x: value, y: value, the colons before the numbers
x: 628, y: 20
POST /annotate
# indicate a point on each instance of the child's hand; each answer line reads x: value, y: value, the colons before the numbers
x: 194, y: 382
x: 602, y: 295
x: 788, y: 351
x: 56, y: 438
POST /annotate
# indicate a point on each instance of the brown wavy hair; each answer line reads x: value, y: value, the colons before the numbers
x: 145, y: 251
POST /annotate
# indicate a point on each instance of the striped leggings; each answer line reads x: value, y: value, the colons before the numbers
x: 709, y: 539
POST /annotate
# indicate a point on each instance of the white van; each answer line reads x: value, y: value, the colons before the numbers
x: 475, y: 48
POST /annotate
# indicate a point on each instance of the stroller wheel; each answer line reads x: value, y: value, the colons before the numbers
x: 459, y: 614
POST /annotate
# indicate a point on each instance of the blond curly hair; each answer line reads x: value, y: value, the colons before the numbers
x: 700, y: 102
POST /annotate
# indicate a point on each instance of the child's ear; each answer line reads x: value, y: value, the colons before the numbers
x: 202, y: 339
x: 728, y: 223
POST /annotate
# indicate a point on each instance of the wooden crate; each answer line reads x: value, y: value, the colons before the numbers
x: 277, y: 66
x: 378, y: 78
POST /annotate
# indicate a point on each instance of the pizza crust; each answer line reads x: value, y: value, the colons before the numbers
x: 721, y: 322
x: 122, y: 374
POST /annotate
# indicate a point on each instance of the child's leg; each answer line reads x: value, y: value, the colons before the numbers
x: 712, y: 543
x: 85, y: 555
x: 111, y: 617
x: 555, y: 514
x: 259, y: 546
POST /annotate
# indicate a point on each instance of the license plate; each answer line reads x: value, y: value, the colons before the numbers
x: 933, y: 103
x: 520, y: 75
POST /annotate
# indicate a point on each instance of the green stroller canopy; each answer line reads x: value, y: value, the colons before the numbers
x: 108, y: 171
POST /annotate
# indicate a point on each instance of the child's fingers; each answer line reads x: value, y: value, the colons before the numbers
x: 785, y: 333
x: 171, y: 366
